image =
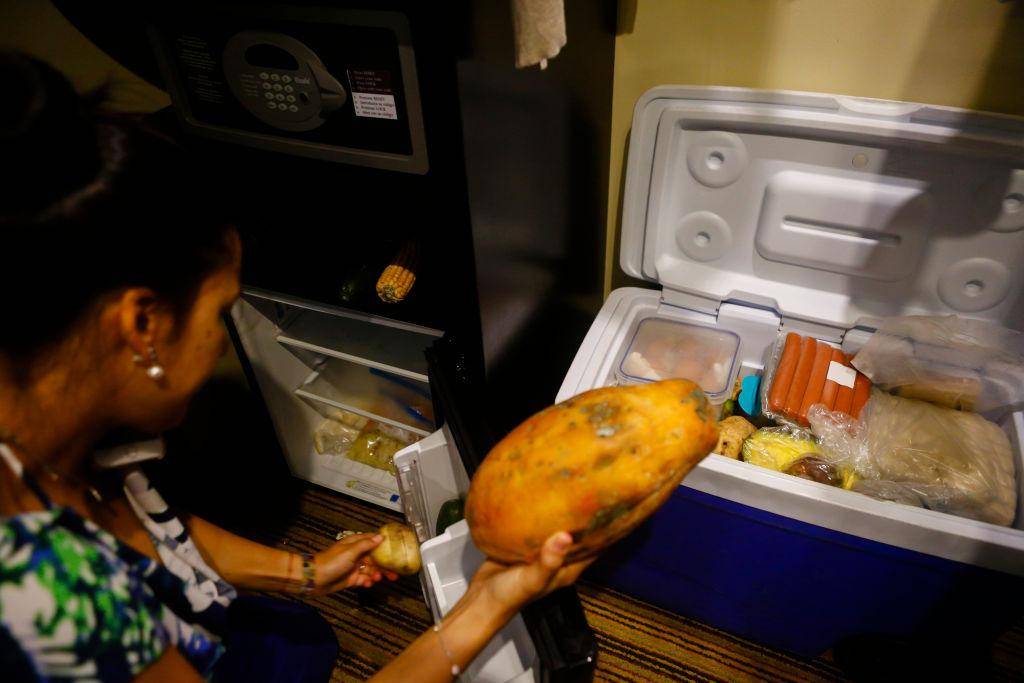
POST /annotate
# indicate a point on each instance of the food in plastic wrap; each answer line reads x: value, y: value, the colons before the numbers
x: 348, y: 418
x: 802, y: 372
x: 815, y: 469
x: 333, y: 437
x: 776, y: 448
x: 888, y: 490
x: 953, y: 461
x: 375, y: 449
x: 731, y: 433
x: 947, y: 360
x: 665, y: 349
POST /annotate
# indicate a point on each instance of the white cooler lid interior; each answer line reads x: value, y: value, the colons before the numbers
x: 824, y: 208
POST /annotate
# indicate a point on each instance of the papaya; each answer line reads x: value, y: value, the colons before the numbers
x: 595, y: 465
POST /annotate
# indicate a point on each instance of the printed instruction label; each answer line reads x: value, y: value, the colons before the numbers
x: 375, y: 105
x: 840, y: 374
x: 371, y: 489
x: 372, y: 93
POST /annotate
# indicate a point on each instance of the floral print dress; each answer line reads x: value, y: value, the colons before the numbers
x: 78, y: 605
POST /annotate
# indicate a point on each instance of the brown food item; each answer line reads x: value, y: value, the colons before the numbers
x: 861, y: 392
x: 831, y: 388
x: 844, y: 397
x: 784, y: 373
x: 732, y: 431
x: 399, y: 551
x: 816, y: 383
x: 801, y: 376
x: 815, y: 469
x: 959, y: 393
x: 595, y: 465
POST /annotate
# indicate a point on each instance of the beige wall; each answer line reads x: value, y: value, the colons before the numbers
x: 36, y: 27
x: 965, y: 53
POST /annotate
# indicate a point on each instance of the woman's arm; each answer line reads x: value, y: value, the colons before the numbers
x: 171, y: 665
x: 247, y: 564
x: 495, y: 594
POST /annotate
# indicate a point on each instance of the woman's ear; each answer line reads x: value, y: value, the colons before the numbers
x: 139, y: 319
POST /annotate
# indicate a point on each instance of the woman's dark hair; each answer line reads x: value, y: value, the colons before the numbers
x: 90, y: 205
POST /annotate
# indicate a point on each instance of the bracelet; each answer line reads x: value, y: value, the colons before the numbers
x: 308, y: 573
x: 451, y: 660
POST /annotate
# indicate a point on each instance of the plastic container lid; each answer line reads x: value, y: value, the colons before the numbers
x: 668, y: 349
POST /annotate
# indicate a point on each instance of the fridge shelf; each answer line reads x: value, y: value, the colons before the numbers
x: 365, y: 340
x: 319, y: 391
x: 351, y: 358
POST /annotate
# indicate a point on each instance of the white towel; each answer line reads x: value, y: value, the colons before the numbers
x: 540, y: 30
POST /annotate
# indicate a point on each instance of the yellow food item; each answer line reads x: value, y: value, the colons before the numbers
x: 399, y: 551
x: 398, y: 278
x: 732, y: 431
x: 347, y: 418
x: 776, y: 449
x: 595, y: 465
x: 375, y: 449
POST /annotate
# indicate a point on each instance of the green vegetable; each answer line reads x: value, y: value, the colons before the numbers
x: 450, y: 513
x: 357, y: 284
x: 728, y: 408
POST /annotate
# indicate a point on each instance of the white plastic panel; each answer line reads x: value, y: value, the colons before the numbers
x: 826, y: 209
x: 449, y: 561
x: 842, y: 225
x: 917, y: 529
x: 430, y: 473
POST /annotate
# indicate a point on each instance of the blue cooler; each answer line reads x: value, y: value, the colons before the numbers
x: 760, y: 212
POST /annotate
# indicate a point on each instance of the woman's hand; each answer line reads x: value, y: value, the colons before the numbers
x: 507, y: 588
x: 347, y: 564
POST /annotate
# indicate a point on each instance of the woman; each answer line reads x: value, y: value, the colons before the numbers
x: 115, y: 275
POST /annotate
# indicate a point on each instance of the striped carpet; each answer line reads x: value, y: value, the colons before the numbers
x: 638, y: 642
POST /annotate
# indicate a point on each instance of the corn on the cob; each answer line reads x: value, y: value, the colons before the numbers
x: 398, y: 278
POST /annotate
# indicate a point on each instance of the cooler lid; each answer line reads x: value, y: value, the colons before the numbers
x: 824, y: 208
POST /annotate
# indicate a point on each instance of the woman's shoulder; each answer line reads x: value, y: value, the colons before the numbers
x: 62, y: 587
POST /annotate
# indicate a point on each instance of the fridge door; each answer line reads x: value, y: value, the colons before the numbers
x: 550, y: 639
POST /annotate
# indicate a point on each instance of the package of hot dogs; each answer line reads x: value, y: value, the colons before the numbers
x: 801, y: 372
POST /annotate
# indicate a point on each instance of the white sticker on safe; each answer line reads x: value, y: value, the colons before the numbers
x: 375, y: 105
x: 841, y: 375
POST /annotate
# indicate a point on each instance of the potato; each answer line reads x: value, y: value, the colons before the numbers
x: 399, y: 551
x: 732, y: 432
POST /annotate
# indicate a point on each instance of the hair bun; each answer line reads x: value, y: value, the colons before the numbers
x: 47, y: 133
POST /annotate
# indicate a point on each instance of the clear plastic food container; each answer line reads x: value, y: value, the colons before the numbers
x: 669, y: 349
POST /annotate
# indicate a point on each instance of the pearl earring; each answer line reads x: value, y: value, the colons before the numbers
x: 155, y: 371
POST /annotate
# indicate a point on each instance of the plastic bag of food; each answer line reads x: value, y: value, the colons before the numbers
x: 947, y: 360
x: 376, y: 446
x: 949, y: 460
x: 817, y: 469
x: 801, y: 371
x: 776, y: 448
x: 334, y: 437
